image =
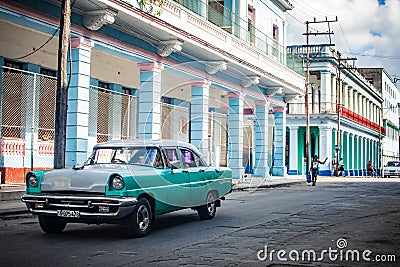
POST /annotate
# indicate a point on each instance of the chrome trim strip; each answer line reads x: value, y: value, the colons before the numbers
x: 43, y: 199
x: 86, y: 214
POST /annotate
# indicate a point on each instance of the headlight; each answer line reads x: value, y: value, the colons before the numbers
x: 32, y: 180
x: 117, y: 182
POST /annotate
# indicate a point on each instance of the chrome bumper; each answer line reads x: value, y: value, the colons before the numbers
x: 88, y: 206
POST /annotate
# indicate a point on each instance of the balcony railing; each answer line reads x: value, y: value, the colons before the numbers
x: 361, y: 120
x: 232, y: 23
x: 331, y: 108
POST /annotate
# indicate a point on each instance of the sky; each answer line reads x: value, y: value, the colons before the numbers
x: 366, y: 29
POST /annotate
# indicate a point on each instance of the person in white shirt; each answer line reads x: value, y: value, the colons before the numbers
x: 315, y: 168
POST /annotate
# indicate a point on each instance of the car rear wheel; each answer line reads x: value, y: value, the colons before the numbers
x: 51, y: 225
x: 139, y: 222
x: 208, y: 210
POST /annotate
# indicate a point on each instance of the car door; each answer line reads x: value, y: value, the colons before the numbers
x: 177, y: 179
x: 198, y: 175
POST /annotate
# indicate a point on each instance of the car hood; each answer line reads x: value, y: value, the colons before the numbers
x: 91, y: 178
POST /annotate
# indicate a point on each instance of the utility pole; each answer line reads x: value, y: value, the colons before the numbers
x: 307, y: 34
x: 306, y: 99
x: 338, y: 110
x: 62, y: 90
x: 339, y: 107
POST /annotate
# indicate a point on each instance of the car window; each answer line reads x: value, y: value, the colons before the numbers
x: 172, y: 157
x: 147, y: 156
x: 190, y: 158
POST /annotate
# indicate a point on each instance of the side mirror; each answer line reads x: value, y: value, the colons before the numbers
x: 175, y: 165
x: 78, y: 166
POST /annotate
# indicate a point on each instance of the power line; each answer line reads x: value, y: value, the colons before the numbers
x: 38, y: 49
x: 341, y: 29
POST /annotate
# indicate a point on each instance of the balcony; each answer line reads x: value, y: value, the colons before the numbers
x: 331, y: 108
x: 232, y: 23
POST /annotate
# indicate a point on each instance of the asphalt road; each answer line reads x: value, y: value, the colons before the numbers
x: 336, y: 223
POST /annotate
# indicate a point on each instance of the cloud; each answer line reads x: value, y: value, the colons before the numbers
x: 364, y: 26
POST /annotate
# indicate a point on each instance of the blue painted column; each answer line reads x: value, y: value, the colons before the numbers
x: 149, y: 100
x: 293, y: 150
x: 279, y: 168
x: 199, y: 116
x: 261, y: 168
x: 235, y: 134
x: 78, y: 103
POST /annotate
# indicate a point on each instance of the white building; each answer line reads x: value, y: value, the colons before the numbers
x: 390, y: 111
x: 208, y: 72
x: 358, y: 135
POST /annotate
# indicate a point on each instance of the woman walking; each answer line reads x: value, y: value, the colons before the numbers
x: 315, y: 168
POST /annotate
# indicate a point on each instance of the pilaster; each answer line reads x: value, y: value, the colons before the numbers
x: 235, y: 134
x: 326, y: 89
x: 325, y: 148
x: 333, y: 87
x: 293, y: 150
x: 149, y: 100
x: 345, y: 95
x: 30, y: 117
x: 199, y: 116
x: 351, y: 98
x: 261, y: 168
x: 78, y: 102
x: 351, y: 158
x: 279, y: 168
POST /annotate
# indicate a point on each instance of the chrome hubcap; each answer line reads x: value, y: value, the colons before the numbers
x: 143, y: 218
x: 210, y: 204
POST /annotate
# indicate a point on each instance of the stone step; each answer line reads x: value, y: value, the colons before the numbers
x: 11, y: 191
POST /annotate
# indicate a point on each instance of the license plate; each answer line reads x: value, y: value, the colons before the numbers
x: 68, y: 213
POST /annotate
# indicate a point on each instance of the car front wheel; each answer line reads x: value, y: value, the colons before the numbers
x: 51, y: 225
x: 139, y: 222
x: 208, y: 210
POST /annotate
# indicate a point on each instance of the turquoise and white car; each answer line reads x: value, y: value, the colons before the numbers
x: 127, y: 183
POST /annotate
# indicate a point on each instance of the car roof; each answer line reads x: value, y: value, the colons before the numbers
x: 142, y: 142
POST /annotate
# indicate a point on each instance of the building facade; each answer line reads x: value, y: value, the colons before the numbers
x: 390, y: 111
x: 209, y: 72
x: 345, y: 116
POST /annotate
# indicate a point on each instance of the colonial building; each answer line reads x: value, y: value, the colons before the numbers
x: 210, y: 72
x: 390, y: 111
x: 335, y: 92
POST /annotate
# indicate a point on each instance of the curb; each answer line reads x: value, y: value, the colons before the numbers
x: 245, y: 187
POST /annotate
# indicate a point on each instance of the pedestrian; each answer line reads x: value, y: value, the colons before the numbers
x: 370, y: 169
x: 333, y: 167
x: 341, y: 167
x: 315, y: 168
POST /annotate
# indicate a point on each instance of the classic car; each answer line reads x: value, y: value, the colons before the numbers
x: 127, y: 182
x: 392, y: 168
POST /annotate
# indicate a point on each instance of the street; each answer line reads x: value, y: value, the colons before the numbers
x: 339, y: 222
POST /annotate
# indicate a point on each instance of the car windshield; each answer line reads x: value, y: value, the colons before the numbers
x: 393, y: 163
x: 146, y: 156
